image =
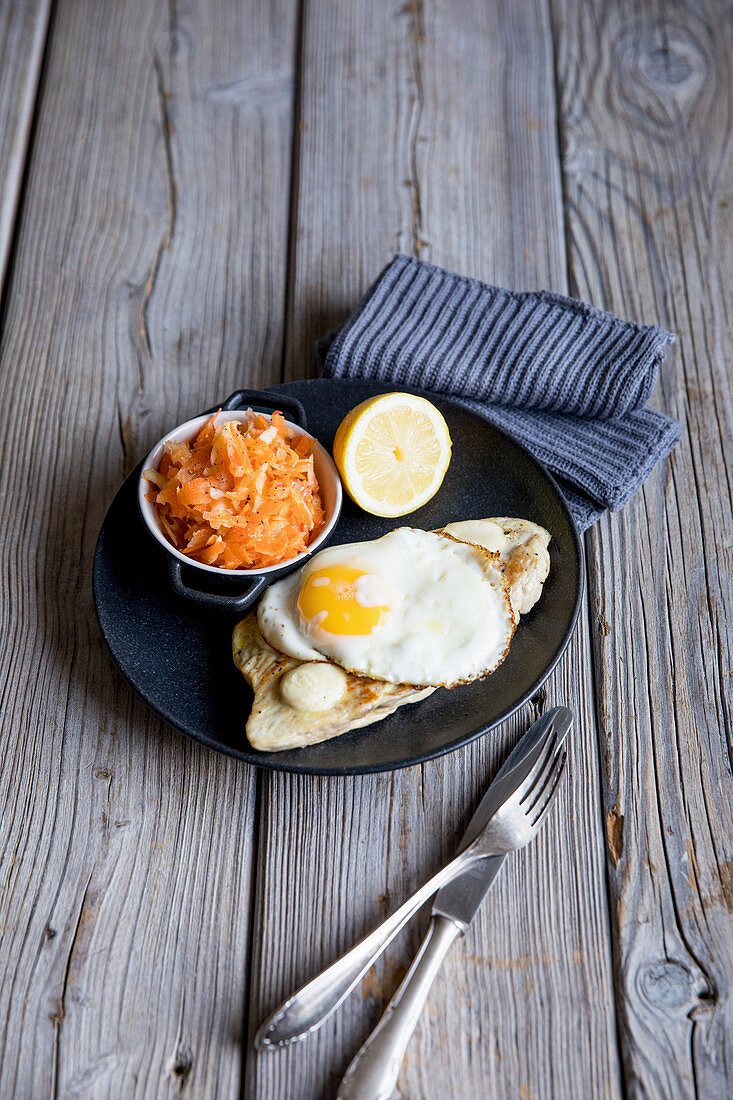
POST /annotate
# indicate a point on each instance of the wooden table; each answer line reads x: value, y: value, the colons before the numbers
x: 190, y: 193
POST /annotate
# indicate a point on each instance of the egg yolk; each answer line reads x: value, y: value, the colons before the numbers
x: 336, y: 602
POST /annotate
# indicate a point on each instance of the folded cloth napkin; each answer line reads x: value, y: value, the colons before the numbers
x: 568, y: 381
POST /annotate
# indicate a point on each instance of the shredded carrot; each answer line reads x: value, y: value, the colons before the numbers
x: 240, y: 495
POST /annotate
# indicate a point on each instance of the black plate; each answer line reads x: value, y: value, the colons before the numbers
x: 177, y: 657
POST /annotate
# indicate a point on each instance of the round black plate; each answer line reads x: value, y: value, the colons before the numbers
x: 178, y: 658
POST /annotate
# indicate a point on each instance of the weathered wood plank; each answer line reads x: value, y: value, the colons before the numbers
x: 148, y: 280
x: 646, y: 112
x: 431, y: 128
x: 23, y: 30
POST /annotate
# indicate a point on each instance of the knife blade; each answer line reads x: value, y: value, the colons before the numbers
x: 461, y: 897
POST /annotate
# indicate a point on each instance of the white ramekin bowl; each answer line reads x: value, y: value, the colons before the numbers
x: 331, y: 496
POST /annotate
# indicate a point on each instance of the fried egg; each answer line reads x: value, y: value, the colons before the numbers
x: 413, y: 607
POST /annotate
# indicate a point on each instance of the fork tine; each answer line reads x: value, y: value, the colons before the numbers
x: 535, y: 781
x: 550, y: 787
x: 561, y: 720
x: 538, y: 744
x: 543, y: 781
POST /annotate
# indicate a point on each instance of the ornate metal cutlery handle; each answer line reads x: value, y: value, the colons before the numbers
x: 373, y: 1073
x: 314, y: 1002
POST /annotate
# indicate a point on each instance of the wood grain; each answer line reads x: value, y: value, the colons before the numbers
x: 148, y: 280
x: 23, y: 29
x: 431, y: 129
x: 210, y: 187
x: 647, y: 99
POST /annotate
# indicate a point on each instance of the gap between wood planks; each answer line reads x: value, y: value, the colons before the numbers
x: 250, y: 1024
x: 604, y: 826
x: 28, y: 121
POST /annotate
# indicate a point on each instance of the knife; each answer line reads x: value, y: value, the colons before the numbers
x: 373, y: 1073
x: 460, y: 892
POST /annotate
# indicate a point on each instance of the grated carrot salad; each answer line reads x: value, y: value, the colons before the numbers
x: 240, y: 495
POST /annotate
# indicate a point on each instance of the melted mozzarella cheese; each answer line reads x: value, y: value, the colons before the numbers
x: 479, y: 532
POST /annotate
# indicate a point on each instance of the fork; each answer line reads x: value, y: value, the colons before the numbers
x: 516, y: 821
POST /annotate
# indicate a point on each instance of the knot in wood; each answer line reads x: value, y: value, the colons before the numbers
x: 667, y: 65
x: 659, y: 73
x: 181, y: 1064
x: 667, y: 984
x: 539, y: 701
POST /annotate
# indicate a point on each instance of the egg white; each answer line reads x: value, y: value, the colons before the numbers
x: 449, y: 617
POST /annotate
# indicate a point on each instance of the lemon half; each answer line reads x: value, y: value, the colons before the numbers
x: 392, y: 452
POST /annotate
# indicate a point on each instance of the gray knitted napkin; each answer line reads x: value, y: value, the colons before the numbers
x: 568, y: 381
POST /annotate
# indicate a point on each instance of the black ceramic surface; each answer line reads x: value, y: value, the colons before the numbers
x: 178, y: 656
